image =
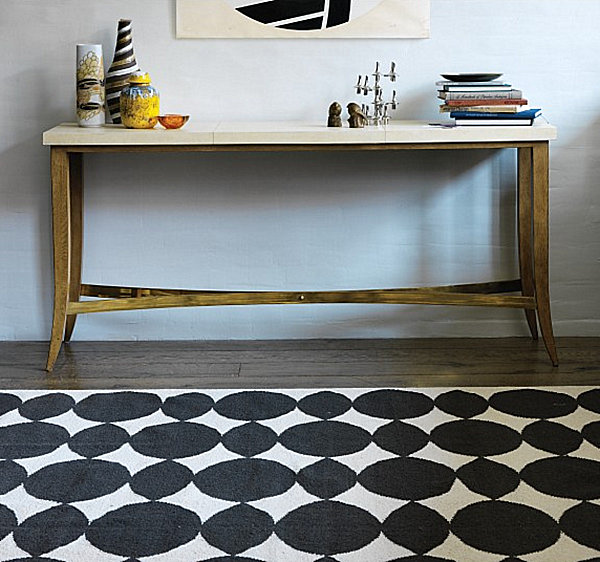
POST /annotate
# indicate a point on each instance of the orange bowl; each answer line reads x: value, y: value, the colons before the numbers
x: 173, y: 120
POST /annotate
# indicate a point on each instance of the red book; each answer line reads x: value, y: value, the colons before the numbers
x: 466, y: 103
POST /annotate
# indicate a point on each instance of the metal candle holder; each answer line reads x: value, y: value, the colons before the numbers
x: 380, y: 115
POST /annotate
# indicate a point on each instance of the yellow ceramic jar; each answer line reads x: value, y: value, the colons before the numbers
x: 139, y: 102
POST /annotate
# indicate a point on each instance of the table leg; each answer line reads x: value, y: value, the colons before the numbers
x: 525, y: 232
x: 61, y: 244
x: 76, y: 193
x: 540, y: 245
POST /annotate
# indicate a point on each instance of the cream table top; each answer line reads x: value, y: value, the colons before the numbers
x: 291, y: 132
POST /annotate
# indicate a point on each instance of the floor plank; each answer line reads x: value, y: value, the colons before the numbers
x: 301, y: 364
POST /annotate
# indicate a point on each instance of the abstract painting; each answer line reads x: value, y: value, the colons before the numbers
x: 302, y: 18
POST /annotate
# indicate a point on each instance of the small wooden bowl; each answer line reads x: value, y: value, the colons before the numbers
x: 173, y: 120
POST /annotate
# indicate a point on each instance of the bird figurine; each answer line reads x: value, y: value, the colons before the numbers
x: 357, y: 119
x: 335, y: 112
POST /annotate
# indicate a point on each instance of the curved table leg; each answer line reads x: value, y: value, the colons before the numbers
x: 525, y: 232
x: 61, y: 243
x: 540, y: 245
x: 76, y: 193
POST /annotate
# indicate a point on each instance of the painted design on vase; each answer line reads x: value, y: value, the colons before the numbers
x: 90, y: 86
x: 123, y: 65
x: 139, y: 102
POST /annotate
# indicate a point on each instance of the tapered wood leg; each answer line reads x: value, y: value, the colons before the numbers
x: 540, y: 246
x: 76, y: 193
x: 61, y: 244
x: 525, y: 232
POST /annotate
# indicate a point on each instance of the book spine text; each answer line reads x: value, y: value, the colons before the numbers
x: 509, y: 94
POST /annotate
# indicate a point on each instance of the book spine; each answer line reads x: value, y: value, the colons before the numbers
x: 484, y: 115
x: 483, y: 101
x: 467, y: 89
x: 483, y: 108
x: 510, y: 94
x: 493, y: 122
x: 480, y: 84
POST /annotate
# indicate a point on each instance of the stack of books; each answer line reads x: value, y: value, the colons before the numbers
x: 484, y: 102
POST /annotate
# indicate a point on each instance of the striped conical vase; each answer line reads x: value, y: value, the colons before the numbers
x: 122, y: 66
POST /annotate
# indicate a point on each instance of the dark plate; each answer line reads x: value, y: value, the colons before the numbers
x: 472, y: 76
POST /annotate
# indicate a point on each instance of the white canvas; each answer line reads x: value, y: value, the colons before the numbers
x: 307, y: 19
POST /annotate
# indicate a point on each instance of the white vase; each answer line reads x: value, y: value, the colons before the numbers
x: 90, y: 86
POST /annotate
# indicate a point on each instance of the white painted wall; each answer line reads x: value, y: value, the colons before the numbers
x: 299, y: 221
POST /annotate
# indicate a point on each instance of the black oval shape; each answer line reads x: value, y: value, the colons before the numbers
x: 590, y: 400
x: 328, y: 527
x: 8, y: 521
x: 244, y: 480
x: 249, y: 439
x: 580, y: 523
x: 50, y: 529
x: 533, y: 403
x: 393, y: 404
x: 8, y: 402
x: 505, y: 528
x: 175, y: 440
x: 79, y: 480
x: 423, y: 558
x: 233, y: 559
x: 564, y: 477
x: 187, y: 406
x: 31, y: 439
x: 325, y: 438
x: 591, y: 433
x: 46, y: 406
x: 255, y: 405
x: 238, y: 528
x: 98, y: 440
x: 552, y: 437
x: 325, y: 404
x: 488, y: 478
x: 117, y: 406
x: 326, y: 478
x: 11, y: 476
x: 416, y: 527
x: 161, y: 480
x: 407, y: 478
x: 34, y: 559
x: 143, y: 529
x: 476, y: 438
x: 400, y: 438
x: 461, y: 404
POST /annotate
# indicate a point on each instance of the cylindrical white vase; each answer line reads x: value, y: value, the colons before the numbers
x: 90, y: 86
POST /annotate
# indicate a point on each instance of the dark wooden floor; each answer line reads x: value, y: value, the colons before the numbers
x: 301, y: 364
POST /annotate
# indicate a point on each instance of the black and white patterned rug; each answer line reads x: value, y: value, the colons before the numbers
x: 344, y: 475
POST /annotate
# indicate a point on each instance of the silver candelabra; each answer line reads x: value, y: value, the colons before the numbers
x: 381, y: 109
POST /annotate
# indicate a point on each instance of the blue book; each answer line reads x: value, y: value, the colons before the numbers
x: 527, y: 114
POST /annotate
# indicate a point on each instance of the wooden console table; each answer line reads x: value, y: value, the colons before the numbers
x: 69, y: 143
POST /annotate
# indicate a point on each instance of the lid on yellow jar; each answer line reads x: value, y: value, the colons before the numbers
x: 139, y: 78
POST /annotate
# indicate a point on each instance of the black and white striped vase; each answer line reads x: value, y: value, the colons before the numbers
x: 123, y: 65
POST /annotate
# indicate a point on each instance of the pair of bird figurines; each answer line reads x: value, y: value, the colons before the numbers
x: 357, y: 119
